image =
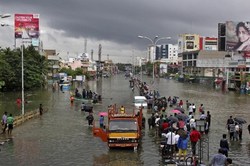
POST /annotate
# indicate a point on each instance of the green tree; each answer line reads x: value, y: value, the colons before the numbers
x: 78, y: 71
x: 121, y: 66
x: 35, y: 68
x: 68, y: 71
x: 74, y: 73
x: 149, y: 68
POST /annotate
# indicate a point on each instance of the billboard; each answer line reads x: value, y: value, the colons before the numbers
x: 189, y: 42
x: 26, y: 26
x: 190, y: 45
x: 237, y: 36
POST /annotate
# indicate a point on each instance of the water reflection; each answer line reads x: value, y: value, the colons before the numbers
x: 117, y: 157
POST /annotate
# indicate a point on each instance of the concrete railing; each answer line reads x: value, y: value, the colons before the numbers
x: 27, y: 116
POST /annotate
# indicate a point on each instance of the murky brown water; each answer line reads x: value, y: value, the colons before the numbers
x: 63, y: 137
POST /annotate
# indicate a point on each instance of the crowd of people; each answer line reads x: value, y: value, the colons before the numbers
x: 86, y: 94
x: 179, y: 132
x: 178, y: 129
x: 234, y: 129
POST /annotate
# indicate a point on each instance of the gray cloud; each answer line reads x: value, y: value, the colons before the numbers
x: 120, y: 22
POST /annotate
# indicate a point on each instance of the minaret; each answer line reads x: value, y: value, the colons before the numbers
x: 92, y: 55
x: 99, y: 53
x: 85, y: 46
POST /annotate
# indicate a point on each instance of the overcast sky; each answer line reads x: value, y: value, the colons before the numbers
x: 115, y: 24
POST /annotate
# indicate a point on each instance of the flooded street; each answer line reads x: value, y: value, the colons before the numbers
x: 62, y: 136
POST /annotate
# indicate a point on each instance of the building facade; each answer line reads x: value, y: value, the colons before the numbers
x: 208, y: 43
x: 53, y: 65
x: 188, y: 42
x: 168, y: 52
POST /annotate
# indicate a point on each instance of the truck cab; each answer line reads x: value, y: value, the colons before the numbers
x: 123, y: 129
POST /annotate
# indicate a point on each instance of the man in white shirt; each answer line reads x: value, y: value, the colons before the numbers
x: 170, y: 136
x: 194, y: 108
x: 190, y: 109
x: 157, y: 121
x: 192, y: 122
x: 203, y: 116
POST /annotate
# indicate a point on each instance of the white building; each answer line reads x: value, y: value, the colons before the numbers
x: 167, y: 53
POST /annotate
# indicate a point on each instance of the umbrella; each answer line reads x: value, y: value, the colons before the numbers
x: 180, y: 109
x: 240, y: 120
x: 176, y: 111
x: 182, y: 116
x: 172, y: 119
x: 103, y: 114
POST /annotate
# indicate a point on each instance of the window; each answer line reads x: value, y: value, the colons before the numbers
x: 184, y: 57
x: 195, y: 56
x: 122, y: 125
x: 190, y: 56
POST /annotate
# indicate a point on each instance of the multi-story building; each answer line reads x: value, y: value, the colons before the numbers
x: 140, y: 61
x: 168, y: 53
x: 53, y: 65
x: 188, y: 42
x: 208, y: 43
x: 109, y: 67
x: 193, y: 42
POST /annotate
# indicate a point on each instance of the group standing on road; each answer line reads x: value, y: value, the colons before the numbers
x: 7, y: 123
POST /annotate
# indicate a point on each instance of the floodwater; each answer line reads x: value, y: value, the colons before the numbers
x: 62, y: 136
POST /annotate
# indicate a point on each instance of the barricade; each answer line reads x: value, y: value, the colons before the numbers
x: 18, y: 120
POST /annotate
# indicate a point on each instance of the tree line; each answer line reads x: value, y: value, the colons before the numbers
x: 35, y: 69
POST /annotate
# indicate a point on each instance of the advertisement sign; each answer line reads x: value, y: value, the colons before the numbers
x: 237, y: 36
x: 189, y: 45
x: 35, y: 42
x: 27, y: 26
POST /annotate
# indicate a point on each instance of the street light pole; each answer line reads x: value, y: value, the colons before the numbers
x: 141, y: 68
x: 153, y: 61
x: 153, y: 44
x: 22, y: 82
x: 3, y: 24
